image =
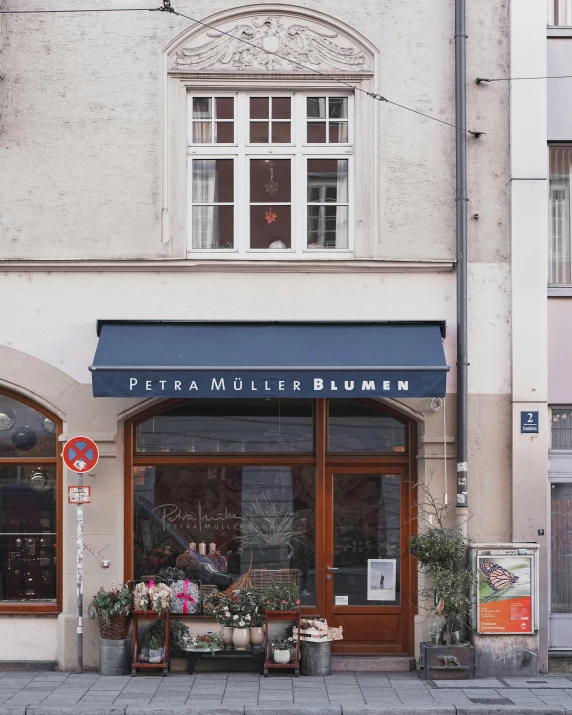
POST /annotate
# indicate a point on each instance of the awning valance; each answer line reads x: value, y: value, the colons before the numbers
x: 220, y: 359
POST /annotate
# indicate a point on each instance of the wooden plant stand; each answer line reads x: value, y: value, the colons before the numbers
x: 269, y: 663
x: 146, y: 615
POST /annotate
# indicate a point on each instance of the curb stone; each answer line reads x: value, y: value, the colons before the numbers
x: 183, y: 710
x: 514, y: 709
x: 72, y: 710
x: 293, y: 710
x: 402, y: 710
x: 12, y: 710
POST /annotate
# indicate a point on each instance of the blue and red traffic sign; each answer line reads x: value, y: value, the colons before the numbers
x: 80, y: 454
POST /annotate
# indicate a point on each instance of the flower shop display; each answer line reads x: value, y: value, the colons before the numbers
x: 281, y: 642
x: 113, y: 609
x: 185, y: 597
x: 257, y: 624
x: 179, y: 636
x: 205, y: 642
x: 153, y: 650
x: 152, y: 596
x: 282, y: 597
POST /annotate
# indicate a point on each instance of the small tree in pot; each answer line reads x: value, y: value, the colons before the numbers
x: 442, y: 555
x: 114, y: 611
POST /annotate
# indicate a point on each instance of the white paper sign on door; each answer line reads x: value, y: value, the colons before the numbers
x: 341, y: 601
x: 381, y: 579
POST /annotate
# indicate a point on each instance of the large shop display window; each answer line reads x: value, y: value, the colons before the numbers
x: 29, y: 507
x: 220, y: 485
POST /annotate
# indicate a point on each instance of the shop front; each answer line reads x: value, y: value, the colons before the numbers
x: 272, y: 450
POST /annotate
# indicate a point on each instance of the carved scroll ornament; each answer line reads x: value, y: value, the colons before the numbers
x: 250, y: 47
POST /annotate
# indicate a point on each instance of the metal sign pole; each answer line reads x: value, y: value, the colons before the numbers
x: 80, y: 578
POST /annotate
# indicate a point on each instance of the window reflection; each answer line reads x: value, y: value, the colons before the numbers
x: 356, y: 427
x: 212, y: 521
x: 230, y: 426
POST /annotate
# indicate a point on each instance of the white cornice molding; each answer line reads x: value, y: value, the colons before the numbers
x: 222, y: 266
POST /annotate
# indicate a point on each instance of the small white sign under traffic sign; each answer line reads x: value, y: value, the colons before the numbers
x: 79, y: 495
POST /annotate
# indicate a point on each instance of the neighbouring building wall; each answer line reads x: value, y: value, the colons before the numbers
x: 528, y: 285
x: 559, y: 351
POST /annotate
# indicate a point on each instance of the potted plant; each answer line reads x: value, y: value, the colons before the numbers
x: 442, y: 555
x: 153, y: 650
x: 178, y: 639
x: 281, y: 597
x: 257, y: 619
x: 114, y: 611
x: 282, y: 649
x: 240, y: 606
x: 206, y: 641
x: 271, y: 530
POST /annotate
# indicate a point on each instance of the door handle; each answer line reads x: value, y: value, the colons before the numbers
x: 331, y: 568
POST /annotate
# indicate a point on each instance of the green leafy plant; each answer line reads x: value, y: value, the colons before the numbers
x: 281, y: 642
x: 116, y: 602
x: 178, y: 636
x: 442, y: 556
x: 153, y: 641
x: 207, y: 641
x: 281, y: 597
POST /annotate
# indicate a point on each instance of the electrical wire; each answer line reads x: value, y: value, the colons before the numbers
x: 480, y: 80
x: 109, y: 9
x: 169, y: 9
x: 373, y: 95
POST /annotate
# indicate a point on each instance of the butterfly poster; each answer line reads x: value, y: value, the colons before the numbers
x: 505, y: 594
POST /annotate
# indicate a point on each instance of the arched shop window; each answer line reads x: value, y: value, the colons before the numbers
x: 30, y: 556
x: 220, y: 483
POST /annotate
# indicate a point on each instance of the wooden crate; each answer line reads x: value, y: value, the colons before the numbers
x: 262, y: 578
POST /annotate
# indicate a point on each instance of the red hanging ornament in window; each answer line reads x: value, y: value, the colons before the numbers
x: 270, y: 216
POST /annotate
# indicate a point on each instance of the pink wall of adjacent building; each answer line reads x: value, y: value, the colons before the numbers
x: 560, y: 351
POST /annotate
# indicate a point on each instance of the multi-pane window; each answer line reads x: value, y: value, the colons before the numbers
x: 561, y: 428
x: 270, y: 174
x: 29, y: 483
x: 559, y: 215
x: 560, y: 13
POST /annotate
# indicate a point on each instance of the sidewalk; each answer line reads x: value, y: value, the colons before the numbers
x: 53, y: 693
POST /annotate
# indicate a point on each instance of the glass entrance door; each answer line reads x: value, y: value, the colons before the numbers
x: 366, y: 572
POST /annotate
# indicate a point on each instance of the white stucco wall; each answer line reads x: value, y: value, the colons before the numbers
x: 81, y: 141
x: 26, y: 638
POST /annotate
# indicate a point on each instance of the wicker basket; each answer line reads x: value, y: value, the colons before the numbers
x: 262, y: 578
x: 116, y: 630
x: 206, y: 590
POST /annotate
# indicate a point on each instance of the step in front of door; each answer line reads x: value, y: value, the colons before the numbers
x: 372, y: 664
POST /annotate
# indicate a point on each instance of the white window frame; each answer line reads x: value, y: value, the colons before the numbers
x: 298, y: 151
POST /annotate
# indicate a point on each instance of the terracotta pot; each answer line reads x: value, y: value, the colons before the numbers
x: 227, y: 635
x: 256, y: 636
x: 240, y: 638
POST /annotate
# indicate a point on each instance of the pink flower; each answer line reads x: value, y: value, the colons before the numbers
x: 267, y: 601
x: 283, y: 601
x: 298, y: 602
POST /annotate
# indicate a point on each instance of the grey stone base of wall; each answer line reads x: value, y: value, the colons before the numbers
x: 24, y: 665
x: 372, y: 664
x: 503, y: 656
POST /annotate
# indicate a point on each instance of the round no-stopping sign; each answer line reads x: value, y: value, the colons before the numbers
x: 80, y: 454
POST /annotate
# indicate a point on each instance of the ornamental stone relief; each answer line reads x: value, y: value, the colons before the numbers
x: 251, y: 44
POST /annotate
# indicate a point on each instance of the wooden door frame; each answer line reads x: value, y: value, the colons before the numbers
x: 405, y: 462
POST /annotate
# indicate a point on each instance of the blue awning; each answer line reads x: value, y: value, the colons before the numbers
x: 220, y: 359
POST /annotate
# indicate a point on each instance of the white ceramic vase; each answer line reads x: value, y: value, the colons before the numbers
x: 256, y: 636
x: 240, y: 638
x: 227, y: 635
x: 282, y: 656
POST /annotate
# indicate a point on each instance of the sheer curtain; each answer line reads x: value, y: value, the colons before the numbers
x: 206, y: 230
x: 559, y: 216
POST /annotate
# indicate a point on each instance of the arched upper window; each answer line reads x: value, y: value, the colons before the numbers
x: 30, y: 504
x: 278, y: 138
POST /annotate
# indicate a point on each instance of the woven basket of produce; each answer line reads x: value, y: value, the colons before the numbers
x: 116, y: 630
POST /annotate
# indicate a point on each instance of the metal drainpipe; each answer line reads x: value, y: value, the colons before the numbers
x: 461, y: 202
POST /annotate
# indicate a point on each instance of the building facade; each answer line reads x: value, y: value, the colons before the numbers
x: 162, y: 175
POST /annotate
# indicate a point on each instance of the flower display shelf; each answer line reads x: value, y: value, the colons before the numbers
x: 140, y: 615
x: 269, y: 664
x: 226, y: 659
